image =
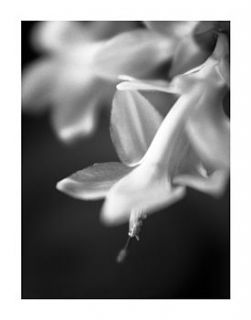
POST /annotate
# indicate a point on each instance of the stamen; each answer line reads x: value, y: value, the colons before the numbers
x: 123, y: 252
x: 135, y: 225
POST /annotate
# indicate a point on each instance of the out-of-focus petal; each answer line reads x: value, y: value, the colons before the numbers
x: 146, y: 189
x: 135, y: 53
x: 177, y: 29
x: 57, y: 35
x: 134, y: 122
x: 75, y: 111
x: 214, y: 184
x: 37, y: 84
x: 93, y: 182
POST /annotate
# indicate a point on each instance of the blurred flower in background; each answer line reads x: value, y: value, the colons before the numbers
x: 82, y: 63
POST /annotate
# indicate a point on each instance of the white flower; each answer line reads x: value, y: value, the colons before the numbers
x: 81, y: 66
x: 159, y: 159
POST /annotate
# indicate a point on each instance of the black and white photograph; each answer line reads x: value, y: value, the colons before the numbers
x: 125, y: 159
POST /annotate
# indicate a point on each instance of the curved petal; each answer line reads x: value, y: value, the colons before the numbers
x: 93, y: 182
x: 214, y: 184
x: 37, y: 84
x: 146, y: 189
x: 134, y: 122
x: 135, y: 53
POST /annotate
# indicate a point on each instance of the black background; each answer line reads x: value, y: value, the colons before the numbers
x: 184, y: 251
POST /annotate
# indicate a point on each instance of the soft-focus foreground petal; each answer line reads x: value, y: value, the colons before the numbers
x: 37, y: 84
x: 134, y: 122
x: 177, y: 29
x: 135, y: 52
x: 213, y: 184
x: 75, y: 108
x: 93, y: 182
x: 146, y: 189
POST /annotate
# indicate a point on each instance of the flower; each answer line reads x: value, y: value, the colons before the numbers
x: 78, y: 74
x: 160, y: 158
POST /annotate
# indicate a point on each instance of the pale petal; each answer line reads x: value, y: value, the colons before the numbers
x: 57, y: 35
x: 183, y: 159
x: 75, y: 111
x: 37, y: 84
x: 93, y: 182
x: 146, y: 85
x: 146, y: 189
x: 209, y: 130
x: 135, y: 53
x: 134, y: 122
x: 214, y: 184
x: 164, y: 148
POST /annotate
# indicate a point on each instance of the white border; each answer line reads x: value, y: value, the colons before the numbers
x: 12, y: 307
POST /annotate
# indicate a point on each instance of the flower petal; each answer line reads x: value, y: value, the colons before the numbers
x: 37, y: 84
x: 75, y: 111
x: 135, y: 53
x: 209, y: 130
x: 93, y: 182
x: 146, y: 189
x: 134, y: 122
x: 214, y: 184
x: 57, y: 35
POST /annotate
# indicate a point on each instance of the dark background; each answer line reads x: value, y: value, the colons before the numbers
x: 184, y: 251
